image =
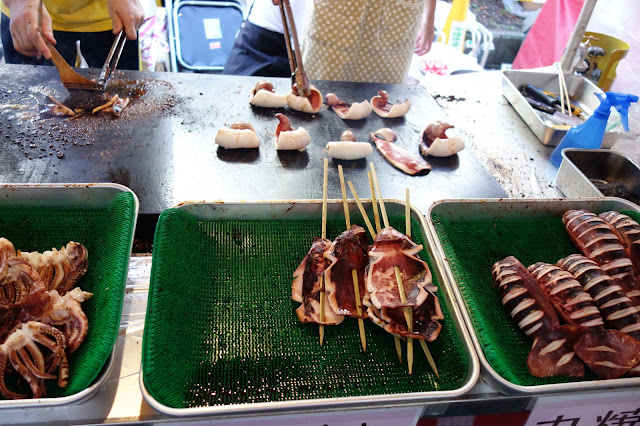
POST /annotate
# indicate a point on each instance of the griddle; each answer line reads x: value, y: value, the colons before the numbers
x: 162, y: 147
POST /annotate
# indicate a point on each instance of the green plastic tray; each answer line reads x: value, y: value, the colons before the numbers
x: 475, y: 235
x: 39, y: 218
x: 221, y: 327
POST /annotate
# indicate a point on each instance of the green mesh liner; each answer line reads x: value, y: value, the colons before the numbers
x: 221, y: 326
x: 471, y: 248
x: 106, y: 232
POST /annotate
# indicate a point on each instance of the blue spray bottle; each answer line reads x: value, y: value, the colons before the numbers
x: 589, y: 134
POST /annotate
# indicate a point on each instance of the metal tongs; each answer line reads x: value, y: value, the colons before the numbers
x: 299, y: 78
x: 113, y: 57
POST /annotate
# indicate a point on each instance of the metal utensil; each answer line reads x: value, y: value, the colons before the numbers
x: 113, y: 57
x: 298, y: 76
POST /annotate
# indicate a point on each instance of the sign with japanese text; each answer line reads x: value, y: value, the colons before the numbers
x: 584, y: 410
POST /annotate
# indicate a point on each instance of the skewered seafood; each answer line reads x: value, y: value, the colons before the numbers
x: 347, y: 252
x: 59, y: 269
x: 310, y: 104
x: 616, y: 308
x: 289, y: 139
x: 385, y: 109
x: 238, y: 135
x: 628, y: 231
x: 552, y: 350
x: 308, y: 284
x: 434, y: 141
x: 348, y: 148
x: 390, y: 249
x: 398, y: 156
x: 354, y: 111
x: 263, y: 95
x: 596, y: 240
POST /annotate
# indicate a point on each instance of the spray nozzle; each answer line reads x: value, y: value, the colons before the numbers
x: 621, y: 101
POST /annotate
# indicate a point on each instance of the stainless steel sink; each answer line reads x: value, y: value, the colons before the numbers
x: 597, y: 173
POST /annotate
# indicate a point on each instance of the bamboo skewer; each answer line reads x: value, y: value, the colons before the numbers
x: 379, y: 228
x: 362, y: 211
x: 354, y: 274
x: 324, y: 235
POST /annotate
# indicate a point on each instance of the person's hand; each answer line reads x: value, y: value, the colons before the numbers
x: 276, y: 2
x: 426, y: 32
x: 127, y: 15
x: 27, y: 38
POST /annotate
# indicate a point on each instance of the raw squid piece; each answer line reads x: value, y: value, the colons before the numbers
x: 238, y: 135
x: 348, y: 148
x: 310, y: 104
x: 354, y: 111
x: 308, y: 284
x: 398, y: 156
x: 347, y: 252
x: 434, y: 141
x: 390, y: 249
x: 264, y: 95
x: 616, y: 308
x: 288, y: 139
x: 385, y: 109
x: 595, y: 239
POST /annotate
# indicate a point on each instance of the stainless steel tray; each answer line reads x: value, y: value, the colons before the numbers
x: 305, y: 209
x: 89, y: 195
x: 479, y: 209
x: 582, y: 169
x: 581, y: 91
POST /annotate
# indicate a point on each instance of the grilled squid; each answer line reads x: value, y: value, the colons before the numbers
x: 347, y: 148
x: 348, y: 252
x: 385, y: 109
x: 310, y: 104
x: 609, y: 353
x: 355, y: 111
x: 238, y: 135
x: 597, y: 241
x: 263, y: 95
x: 616, y: 308
x: 398, y: 156
x: 434, y: 141
x: 628, y: 231
x: 425, y: 325
x: 289, y: 139
x: 552, y: 352
x: 308, y: 284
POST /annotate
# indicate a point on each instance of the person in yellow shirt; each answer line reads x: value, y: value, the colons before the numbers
x: 94, y: 23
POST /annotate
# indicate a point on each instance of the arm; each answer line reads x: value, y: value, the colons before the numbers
x: 26, y: 36
x: 127, y: 15
x: 425, y: 34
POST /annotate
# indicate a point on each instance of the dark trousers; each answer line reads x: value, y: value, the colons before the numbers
x: 94, y: 47
x: 257, y: 51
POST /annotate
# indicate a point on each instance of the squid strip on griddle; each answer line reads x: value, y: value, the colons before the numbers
x: 308, y: 284
x: 552, y: 352
x: 347, y: 252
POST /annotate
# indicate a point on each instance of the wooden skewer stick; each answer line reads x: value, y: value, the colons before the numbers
x: 354, y: 274
x: 376, y: 185
x: 324, y: 235
x: 408, y: 316
x: 345, y: 204
x: 425, y: 349
x: 374, y: 203
x: 378, y: 229
x: 362, y: 210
